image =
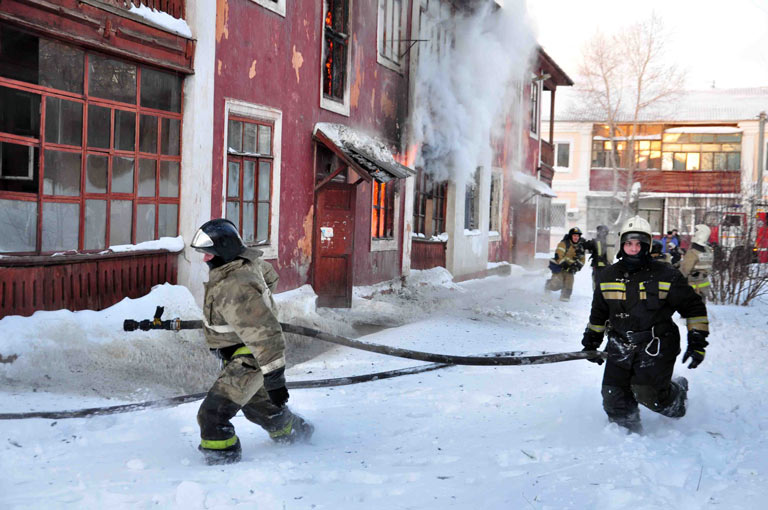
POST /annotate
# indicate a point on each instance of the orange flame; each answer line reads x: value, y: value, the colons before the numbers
x: 409, y: 156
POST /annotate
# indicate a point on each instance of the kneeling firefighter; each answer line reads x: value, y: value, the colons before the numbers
x: 242, y: 329
x: 568, y: 260
x: 634, y: 302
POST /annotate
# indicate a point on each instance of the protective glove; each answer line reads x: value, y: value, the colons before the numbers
x: 274, y: 383
x: 576, y: 267
x: 696, y: 344
x: 591, y: 341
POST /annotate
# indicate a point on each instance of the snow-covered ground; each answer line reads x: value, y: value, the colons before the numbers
x: 461, y: 437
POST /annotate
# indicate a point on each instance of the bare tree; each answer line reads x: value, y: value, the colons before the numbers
x: 626, y: 75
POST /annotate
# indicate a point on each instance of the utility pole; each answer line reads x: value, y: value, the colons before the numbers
x: 760, y: 156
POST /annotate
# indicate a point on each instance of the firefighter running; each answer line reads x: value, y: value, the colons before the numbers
x: 241, y: 327
x: 634, y: 303
x: 697, y: 262
x: 568, y: 260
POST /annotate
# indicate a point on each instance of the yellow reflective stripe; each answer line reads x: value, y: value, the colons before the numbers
x: 665, y: 285
x: 700, y: 285
x: 218, y: 444
x: 615, y: 295
x: 596, y: 328
x: 242, y: 351
x: 283, y: 431
x: 697, y: 320
x: 613, y: 286
x: 561, y: 248
x: 700, y: 323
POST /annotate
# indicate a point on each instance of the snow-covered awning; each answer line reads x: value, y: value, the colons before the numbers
x: 536, y: 186
x: 368, y: 157
x: 709, y: 130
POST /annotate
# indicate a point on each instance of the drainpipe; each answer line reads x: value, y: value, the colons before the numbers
x: 760, y: 157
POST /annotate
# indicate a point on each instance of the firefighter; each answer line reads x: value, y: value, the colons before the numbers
x: 598, y: 249
x: 568, y: 260
x: 697, y: 263
x: 657, y: 252
x: 634, y: 303
x: 241, y: 327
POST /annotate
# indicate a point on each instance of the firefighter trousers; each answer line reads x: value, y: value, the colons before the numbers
x: 240, y: 385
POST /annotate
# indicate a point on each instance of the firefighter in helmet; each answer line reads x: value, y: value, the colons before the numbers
x: 598, y: 249
x: 697, y: 262
x: 568, y: 260
x: 242, y: 329
x: 633, y: 303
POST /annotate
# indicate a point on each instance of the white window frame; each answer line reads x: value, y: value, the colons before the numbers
x: 276, y: 6
x: 342, y: 108
x: 537, y: 84
x: 275, y: 116
x: 564, y: 169
x: 385, y: 21
x: 390, y: 244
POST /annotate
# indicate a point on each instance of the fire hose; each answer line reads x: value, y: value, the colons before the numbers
x: 437, y: 361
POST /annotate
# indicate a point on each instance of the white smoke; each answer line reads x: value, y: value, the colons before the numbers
x: 467, y: 89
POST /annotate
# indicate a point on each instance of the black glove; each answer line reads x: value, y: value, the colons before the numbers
x: 696, y: 344
x: 591, y: 341
x: 575, y: 267
x: 274, y: 383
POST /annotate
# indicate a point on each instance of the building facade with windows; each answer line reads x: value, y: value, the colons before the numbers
x: 94, y: 110
x: 697, y: 154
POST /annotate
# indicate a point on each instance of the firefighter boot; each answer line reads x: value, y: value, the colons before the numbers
x: 228, y: 455
x: 565, y: 294
x: 298, y: 430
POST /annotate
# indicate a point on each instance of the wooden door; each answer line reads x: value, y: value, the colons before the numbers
x: 334, y: 233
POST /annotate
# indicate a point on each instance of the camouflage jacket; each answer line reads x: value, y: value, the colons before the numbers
x: 239, y: 309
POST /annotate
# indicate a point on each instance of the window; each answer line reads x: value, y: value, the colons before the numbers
x: 685, y: 212
x: 383, y: 210
x: 544, y: 209
x: 647, y: 154
x: 428, y: 205
x: 251, y: 173
x: 249, y: 178
x: 534, y: 113
x: 652, y: 209
x: 84, y: 168
x: 472, y: 202
x: 391, y: 33
x: 277, y: 6
x: 701, y: 151
x: 563, y: 155
x: 494, y: 219
x: 334, y: 94
x: 557, y: 215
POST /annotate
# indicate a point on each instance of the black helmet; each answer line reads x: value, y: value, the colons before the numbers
x: 219, y: 238
x: 602, y: 230
x: 574, y: 230
x: 656, y: 246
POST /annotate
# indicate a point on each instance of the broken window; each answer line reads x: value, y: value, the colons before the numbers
x: 471, y: 202
x: 249, y: 177
x: 383, y: 210
x: 494, y: 218
x: 335, y: 49
x: 428, y: 205
x: 91, y: 196
x: 391, y: 32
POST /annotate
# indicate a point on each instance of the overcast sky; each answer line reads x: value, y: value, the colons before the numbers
x: 725, y: 41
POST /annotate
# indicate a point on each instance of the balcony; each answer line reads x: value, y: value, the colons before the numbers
x: 670, y: 181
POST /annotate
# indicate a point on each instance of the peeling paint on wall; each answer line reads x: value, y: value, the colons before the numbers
x: 297, y: 60
x: 222, y: 20
x: 355, y: 89
x: 387, y: 105
x: 252, y: 70
x: 304, y: 245
x: 218, y: 70
x: 373, y: 99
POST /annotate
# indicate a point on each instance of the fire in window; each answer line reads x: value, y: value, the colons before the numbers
x: 383, y: 210
x: 428, y: 205
x: 336, y: 44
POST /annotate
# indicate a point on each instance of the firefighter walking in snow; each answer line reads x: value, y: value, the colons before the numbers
x: 598, y: 249
x: 241, y: 327
x: 697, y: 262
x: 568, y: 260
x: 634, y: 303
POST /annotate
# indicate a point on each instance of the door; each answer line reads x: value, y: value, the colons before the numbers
x: 334, y: 245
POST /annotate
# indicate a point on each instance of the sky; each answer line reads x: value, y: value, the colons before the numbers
x: 715, y: 41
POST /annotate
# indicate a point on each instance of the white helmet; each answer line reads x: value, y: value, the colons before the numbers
x: 638, y: 228
x: 701, y: 234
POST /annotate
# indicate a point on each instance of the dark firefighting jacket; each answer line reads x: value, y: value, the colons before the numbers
x: 637, y: 307
x: 598, y: 249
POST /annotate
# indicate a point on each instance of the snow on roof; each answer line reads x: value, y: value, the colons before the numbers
x: 722, y: 105
x: 163, y: 20
x: 172, y: 244
x: 705, y: 129
x: 533, y: 183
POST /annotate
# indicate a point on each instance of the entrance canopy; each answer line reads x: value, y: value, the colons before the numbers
x: 535, y: 186
x: 368, y: 157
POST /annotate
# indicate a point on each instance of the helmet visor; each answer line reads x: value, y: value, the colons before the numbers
x: 201, y: 240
